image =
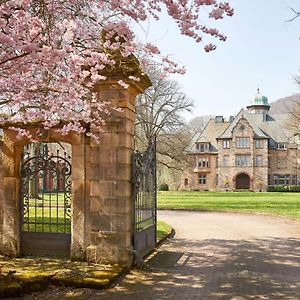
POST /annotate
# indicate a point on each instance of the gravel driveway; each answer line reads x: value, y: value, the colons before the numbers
x: 213, y: 256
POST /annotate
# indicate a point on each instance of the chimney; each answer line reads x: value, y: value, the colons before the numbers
x: 219, y: 119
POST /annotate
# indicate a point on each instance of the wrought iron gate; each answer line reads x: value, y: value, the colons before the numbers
x: 45, y: 202
x: 145, y: 204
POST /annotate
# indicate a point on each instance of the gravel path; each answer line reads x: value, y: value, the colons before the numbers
x: 213, y: 256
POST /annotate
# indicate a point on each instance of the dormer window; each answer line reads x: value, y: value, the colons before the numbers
x: 281, y: 146
x: 202, y: 147
x: 226, y: 144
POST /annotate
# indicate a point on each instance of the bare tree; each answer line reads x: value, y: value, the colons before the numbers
x: 197, y: 124
x: 296, y: 14
x: 159, y: 112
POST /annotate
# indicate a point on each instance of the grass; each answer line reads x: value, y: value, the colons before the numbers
x: 53, y: 218
x: 47, y: 214
x: 280, y: 204
x: 163, y: 229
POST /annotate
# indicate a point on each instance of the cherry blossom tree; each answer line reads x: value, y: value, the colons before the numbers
x: 53, y: 52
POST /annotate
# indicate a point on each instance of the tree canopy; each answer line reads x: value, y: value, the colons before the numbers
x: 53, y: 52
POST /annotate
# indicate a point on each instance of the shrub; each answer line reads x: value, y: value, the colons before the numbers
x: 271, y: 188
x: 295, y: 189
x: 163, y: 187
x: 280, y: 188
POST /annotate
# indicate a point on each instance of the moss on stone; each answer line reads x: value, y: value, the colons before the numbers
x: 24, y: 275
x: 9, y: 287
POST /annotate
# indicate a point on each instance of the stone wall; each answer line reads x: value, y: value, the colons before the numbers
x: 258, y: 174
x: 109, y: 175
x: 191, y: 174
x: 283, y: 162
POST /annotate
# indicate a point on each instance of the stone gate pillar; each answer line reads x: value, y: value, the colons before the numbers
x: 102, y: 200
x: 11, y: 153
x: 109, y: 170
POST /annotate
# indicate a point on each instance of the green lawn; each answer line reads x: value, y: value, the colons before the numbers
x: 47, y: 214
x: 282, y: 204
x: 163, y: 229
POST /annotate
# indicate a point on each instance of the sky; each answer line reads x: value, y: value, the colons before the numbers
x: 262, y: 50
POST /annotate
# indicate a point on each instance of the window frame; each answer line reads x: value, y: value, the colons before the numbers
x: 242, y: 142
x: 283, y: 179
x: 239, y: 157
x: 281, y: 146
x: 259, y: 144
x: 203, y: 162
x: 226, y: 144
x: 260, y: 164
x: 202, y: 179
x: 227, y: 162
x: 203, y: 147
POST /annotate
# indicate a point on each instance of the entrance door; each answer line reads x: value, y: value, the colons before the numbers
x: 243, y: 182
x: 45, y: 202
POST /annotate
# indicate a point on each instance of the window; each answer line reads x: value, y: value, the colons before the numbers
x: 226, y: 144
x: 186, y: 181
x: 281, y: 146
x: 242, y: 161
x: 258, y: 160
x: 203, y: 162
x: 202, y: 147
x: 287, y: 179
x: 226, y: 160
x: 294, y: 179
x: 259, y: 144
x: 202, y: 179
x: 242, y: 142
x: 275, y: 179
x: 282, y: 179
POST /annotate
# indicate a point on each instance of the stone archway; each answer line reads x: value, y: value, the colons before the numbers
x: 46, y: 200
x: 102, y: 193
x: 11, y: 160
x: 242, y: 181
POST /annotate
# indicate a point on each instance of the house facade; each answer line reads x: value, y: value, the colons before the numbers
x: 251, y: 151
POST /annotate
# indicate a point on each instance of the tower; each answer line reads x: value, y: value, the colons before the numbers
x: 259, y: 104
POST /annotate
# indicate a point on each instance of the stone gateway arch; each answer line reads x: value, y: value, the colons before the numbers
x: 102, y: 196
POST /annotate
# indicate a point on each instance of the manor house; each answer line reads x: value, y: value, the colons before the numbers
x: 253, y: 150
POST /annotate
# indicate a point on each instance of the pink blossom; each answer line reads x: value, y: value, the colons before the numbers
x: 123, y: 84
x: 51, y: 62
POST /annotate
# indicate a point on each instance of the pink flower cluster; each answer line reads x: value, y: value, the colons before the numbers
x: 53, y: 52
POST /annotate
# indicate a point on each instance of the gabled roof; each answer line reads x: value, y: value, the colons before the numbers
x: 252, y: 120
x: 208, y: 135
x: 278, y: 129
x: 274, y: 127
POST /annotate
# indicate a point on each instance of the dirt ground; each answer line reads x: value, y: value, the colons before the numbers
x: 213, y: 256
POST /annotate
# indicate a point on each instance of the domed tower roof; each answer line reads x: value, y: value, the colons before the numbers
x: 260, y: 99
x: 259, y: 104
